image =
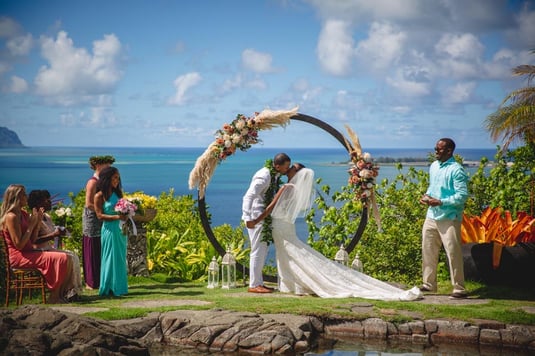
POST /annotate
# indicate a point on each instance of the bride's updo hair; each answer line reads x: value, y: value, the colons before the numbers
x: 298, y: 166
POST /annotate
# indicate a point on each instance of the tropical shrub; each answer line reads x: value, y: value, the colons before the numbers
x: 510, y: 183
x: 73, y: 223
x: 177, y: 244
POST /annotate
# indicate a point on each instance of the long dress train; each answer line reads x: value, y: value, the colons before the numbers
x: 303, y: 270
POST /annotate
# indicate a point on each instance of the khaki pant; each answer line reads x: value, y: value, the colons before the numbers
x: 436, y: 233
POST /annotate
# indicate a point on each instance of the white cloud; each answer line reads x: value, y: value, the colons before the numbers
x: 306, y: 92
x: 20, y: 45
x: 18, y: 85
x: 257, y: 61
x: 365, y: 10
x: 96, y: 117
x: 410, y: 82
x: 500, y: 65
x: 102, y: 117
x: 256, y: 83
x: 182, y: 84
x: 459, y: 93
x: 382, y: 48
x: 73, y: 74
x: 231, y: 84
x: 335, y: 47
x: 464, y: 46
x: 522, y: 35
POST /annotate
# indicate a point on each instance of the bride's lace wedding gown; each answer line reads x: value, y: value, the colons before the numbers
x: 303, y: 270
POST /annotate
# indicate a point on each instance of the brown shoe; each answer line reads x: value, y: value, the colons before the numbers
x: 259, y: 289
x: 271, y: 289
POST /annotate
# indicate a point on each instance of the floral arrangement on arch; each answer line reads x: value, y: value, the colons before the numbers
x: 362, y: 174
x: 240, y: 134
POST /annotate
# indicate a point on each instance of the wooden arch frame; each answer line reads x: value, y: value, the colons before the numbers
x: 354, y: 240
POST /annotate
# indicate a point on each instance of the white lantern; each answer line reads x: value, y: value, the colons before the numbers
x: 228, y: 270
x: 213, y: 274
x: 357, y: 263
x: 342, y: 256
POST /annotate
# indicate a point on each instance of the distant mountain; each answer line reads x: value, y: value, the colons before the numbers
x: 9, y: 139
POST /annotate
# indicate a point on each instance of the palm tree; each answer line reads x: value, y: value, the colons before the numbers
x: 515, y: 118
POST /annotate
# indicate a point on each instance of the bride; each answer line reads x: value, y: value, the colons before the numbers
x: 303, y: 270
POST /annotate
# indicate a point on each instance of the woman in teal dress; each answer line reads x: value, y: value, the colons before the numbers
x: 113, y: 269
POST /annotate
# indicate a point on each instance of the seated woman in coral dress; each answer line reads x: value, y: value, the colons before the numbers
x: 19, y: 229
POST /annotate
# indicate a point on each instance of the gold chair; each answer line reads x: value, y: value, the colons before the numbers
x: 20, y: 280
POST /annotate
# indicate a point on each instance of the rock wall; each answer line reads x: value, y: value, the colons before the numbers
x: 37, y: 330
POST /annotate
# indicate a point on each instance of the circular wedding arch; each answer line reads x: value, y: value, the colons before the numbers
x: 356, y: 236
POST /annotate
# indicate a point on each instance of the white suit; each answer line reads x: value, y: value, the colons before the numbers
x: 252, y: 206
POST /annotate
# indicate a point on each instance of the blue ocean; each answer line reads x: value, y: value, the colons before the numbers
x: 154, y: 170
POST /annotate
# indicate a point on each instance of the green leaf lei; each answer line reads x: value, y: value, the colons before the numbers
x: 274, y: 185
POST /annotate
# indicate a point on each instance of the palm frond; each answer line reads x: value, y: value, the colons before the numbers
x: 525, y: 69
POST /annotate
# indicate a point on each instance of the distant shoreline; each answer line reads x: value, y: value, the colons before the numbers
x: 415, y: 163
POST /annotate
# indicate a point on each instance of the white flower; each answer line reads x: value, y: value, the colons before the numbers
x: 236, y: 138
x: 228, y: 143
x: 366, y: 174
x: 367, y: 157
x: 68, y: 212
x: 240, y: 124
x: 60, y: 212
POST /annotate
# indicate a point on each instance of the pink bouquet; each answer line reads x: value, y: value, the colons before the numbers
x: 126, y: 207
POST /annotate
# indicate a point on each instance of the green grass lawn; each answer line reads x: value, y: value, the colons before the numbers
x: 504, y: 304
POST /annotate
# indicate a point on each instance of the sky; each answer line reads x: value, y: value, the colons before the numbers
x: 163, y: 73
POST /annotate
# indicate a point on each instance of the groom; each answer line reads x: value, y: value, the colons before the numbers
x: 253, y: 205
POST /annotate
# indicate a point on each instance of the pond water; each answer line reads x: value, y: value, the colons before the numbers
x: 379, y: 347
x: 369, y: 348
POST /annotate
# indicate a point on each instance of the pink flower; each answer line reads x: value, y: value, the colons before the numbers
x: 126, y: 207
x: 362, y: 175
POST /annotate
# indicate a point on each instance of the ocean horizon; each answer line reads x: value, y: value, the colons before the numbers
x: 64, y: 170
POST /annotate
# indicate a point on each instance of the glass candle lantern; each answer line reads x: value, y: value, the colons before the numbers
x: 213, y: 274
x: 357, y: 263
x: 228, y: 270
x: 342, y: 256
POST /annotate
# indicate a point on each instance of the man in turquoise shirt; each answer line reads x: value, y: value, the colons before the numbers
x: 445, y: 198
